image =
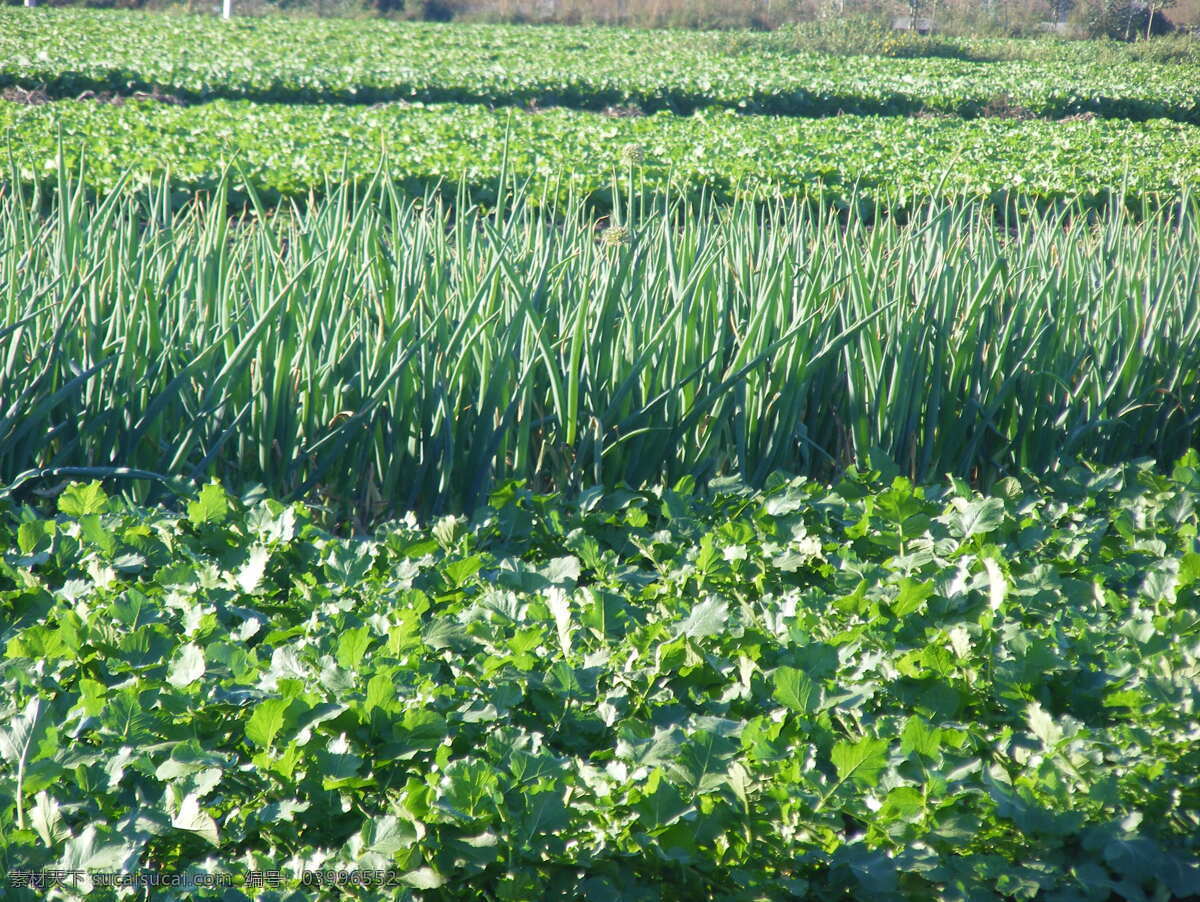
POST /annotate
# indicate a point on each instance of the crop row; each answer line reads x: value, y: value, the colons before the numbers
x: 198, y: 58
x: 288, y: 151
x: 388, y: 356
x: 873, y: 690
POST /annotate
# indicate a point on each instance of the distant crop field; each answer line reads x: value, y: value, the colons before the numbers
x: 67, y: 52
x: 287, y: 151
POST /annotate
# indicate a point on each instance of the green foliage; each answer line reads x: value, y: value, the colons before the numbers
x: 847, y: 35
x: 880, y: 688
x: 286, y: 151
x: 68, y: 52
x: 853, y: 36
x: 1176, y: 48
x: 380, y: 354
x: 1122, y: 20
x: 652, y: 694
x: 910, y: 45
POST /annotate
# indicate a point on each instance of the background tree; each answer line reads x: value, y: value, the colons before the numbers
x: 1156, y: 10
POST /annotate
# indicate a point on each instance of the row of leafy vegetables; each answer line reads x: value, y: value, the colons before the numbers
x: 872, y: 689
x: 200, y: 58
x: 291, y: 150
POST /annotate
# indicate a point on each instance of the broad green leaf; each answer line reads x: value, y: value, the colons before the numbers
x: 16, y: 740
x: 563, y: 570
x: 544, y: 813
x: 708, y: 618
x: 912, y: 596
x: 31, y: 534
x: 703, y: 763
x: 1161, y: 580
x: 267, y: 720
x: 91, y: 696
x: 284, y: 811
x: 446, y: 529
x: 424, y: 878
x: 1042, y: 725
x: 918, y: 736
x: 973, y: 518
x: 389, y: 834
x: 127, y: 719
x: 251, y: 573
x: 46, y: 818
x: 861, y: 761
x: 352, y: 646
x: 560, y: 609
x: 187, y: 667
x: 1137, y: 858
x: 210, y: 507
x: 79, y: 500
x: 349, y: 563
x: 189, y: 758
x: 794, y: 689
x: 469, y: 791
x: 902, y: 802
x: 654, y: 751
x: 90, y: 852
x: 663, y: 805
x: 381, y: 691
x: 960, y: 642
x: 194, y: 819
x: 339, y: 765
x: 1189, y: 569
x: 95, y: 532
x: 458, y: 572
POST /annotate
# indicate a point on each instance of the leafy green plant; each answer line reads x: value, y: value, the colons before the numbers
x: 70, y: 52
x: 814, y: 691
x: 910, y: 45
x: 897, y: 163
x: 383, y: 354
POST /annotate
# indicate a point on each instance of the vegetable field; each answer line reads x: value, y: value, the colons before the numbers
x: 68, y: 52
x: 288, y: 151
x: 813, y: 693
x: 402, y: 359
x: 497, y: 463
